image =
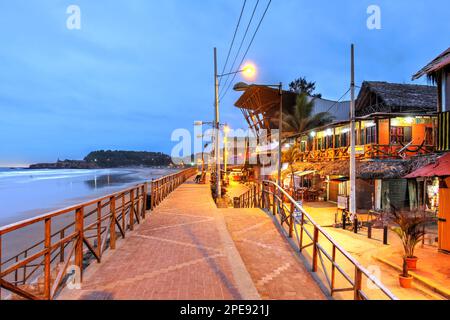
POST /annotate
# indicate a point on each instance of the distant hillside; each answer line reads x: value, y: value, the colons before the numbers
x: 114, y: 159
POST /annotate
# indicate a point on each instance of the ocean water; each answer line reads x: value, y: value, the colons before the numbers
x: 27, y: 193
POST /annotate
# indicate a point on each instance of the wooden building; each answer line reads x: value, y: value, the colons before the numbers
x: 438, y: 71
x: 396, y: 127
x: 394, y: 121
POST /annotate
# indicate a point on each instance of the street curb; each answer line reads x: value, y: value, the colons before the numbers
x: 424, y: 281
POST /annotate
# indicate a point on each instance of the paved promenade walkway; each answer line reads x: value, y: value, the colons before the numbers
x: 185, y: 251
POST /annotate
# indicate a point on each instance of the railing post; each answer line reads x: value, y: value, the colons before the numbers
x: 291, y: 221
x: 152, y: 193
x: 274, y: 202
x: 99, y: 229
x: 79, y: 229
x: 124, y: 220
x: 333, y: 270
x: 315, y: 249
x: 47, y: 258
x: 112, y: 226
x: 358, y: 284
x: 144, y: 191
x: 61, y: 247
x: 132, y: 210
x: 302, y: 224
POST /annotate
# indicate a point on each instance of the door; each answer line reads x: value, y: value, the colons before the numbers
x: 334, y: 190
x: 444, y: 218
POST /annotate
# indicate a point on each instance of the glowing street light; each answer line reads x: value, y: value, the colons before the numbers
x: 249, y: 71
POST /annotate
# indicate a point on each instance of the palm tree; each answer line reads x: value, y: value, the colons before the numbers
x: 302, y: 117
x: 290, y: 157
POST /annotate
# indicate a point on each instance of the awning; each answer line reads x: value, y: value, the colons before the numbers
x: 439, y: 169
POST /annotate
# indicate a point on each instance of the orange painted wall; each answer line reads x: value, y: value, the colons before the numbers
x: 383, y: 132
x: 444, y: 214
x: 418, y: 132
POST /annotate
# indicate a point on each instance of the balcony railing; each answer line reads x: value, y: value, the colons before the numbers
x: 37, y: 255
x: 369, y: 151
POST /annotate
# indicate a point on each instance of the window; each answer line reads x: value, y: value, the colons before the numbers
x: 303, y: 146
x: 401, y: 135
x: 344, y: 140
x: 336, y: 141
x: 371, y: 135
x: 343, y: 188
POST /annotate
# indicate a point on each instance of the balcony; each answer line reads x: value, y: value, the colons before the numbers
x: 366, y: 152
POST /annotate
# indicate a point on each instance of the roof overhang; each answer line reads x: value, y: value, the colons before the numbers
x: 437, y: 64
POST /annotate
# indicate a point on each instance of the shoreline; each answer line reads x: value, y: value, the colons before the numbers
x: 135, y: 175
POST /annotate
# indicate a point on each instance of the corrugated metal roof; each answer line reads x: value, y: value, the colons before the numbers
x: 439, y: 169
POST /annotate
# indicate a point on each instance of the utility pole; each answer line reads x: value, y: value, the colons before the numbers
x: 352, y: 140
x: 217, y: 126
x: 280, y: 132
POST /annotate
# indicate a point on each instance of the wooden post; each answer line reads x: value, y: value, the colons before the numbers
x: 152, y: 197
x: 112, y: 225
x: 99, y: 229
x: 302, y: 224
x: 79, y: 229
x: 315, y: 249
x: 47, y: 258
x: 358, y: 284
x: 291, y: 221
x: 333, y: 270
x: 124, y: 220
x: 145, y: 191
x: 274, y: 203
x: 132, y: 210
x: 61, y: 247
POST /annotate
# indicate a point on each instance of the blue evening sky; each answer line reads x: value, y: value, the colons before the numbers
x: 138, y: 69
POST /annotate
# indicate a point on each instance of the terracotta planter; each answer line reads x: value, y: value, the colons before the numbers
x: 405, y: 282
x: 412, y: 263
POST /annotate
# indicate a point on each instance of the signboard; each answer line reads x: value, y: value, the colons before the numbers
x: 343, y: 202
x: 359, y: 150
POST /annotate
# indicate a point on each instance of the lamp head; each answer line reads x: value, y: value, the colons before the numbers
x: 240, y: 86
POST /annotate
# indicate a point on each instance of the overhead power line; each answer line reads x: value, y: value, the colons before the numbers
x: 240, y: 46
x: 234, y: 38
x: 248, y: 48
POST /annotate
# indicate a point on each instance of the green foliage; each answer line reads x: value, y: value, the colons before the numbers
x: 290, y: 157
x: 410, y: 227
x: 114, y: 159
x: 302, y: 117
x: 301, y: 85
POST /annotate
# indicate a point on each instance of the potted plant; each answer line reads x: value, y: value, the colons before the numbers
x: 410, y: 227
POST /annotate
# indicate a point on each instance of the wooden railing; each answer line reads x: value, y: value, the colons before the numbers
x: 335, y: 262
x: 162, y: 187
x: 249, y: 199
x: 370, y: 151
x: 71, y: 238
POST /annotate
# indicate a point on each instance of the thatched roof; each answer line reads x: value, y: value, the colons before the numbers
x: 376, y: 97
x: 442, y: 61
x: 373, y: 169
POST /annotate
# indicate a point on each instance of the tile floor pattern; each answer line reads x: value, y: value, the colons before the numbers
x: 180, y: 253
x: 275, y: 269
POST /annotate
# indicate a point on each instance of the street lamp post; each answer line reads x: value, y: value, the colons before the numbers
x: 249, y: 70
x: 352, y: 203
x: 217, y: 126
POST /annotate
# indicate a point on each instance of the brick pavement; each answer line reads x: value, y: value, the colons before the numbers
x: 272, y: 263
x: 184, y: 251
